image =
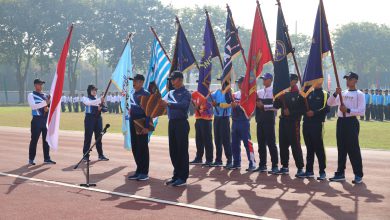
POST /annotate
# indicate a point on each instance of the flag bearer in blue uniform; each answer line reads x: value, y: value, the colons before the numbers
x: 93, y: 122
x: 380, y: 100
x: 367, y: 97
x: 292, y: 104
x: 387, y: 105
x: 347, y: 132
x: 265, y: 119
x: 313, y: 127
x: 139, y: 142
x: 241, y: 132
x: 178, y: 102
x: 222, y: 112
x: 39, y: 103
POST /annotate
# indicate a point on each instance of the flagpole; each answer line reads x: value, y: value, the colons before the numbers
x: 289, y: 42
x: 265, y: 29
x: 158, y: 39
x: 110, y: 82
x: 332, y: 55
x: 215, y: 41
x: 196, y: 62
x: 238, y: 38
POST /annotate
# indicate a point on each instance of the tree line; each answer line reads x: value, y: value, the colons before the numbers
x: 32, y: 34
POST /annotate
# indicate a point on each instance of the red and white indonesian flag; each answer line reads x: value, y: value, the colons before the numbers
x: 53, y: 120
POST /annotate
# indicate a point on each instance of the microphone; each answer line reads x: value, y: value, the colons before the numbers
x: 105, y: 128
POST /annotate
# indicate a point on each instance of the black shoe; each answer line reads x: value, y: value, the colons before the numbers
x: 235, y: 167
x: 179, y: 182
x: 49, y: 162
x: 283, y: 171
x: 31, y: 162
x: 207, y: 164
x: 170, y: 182
x: 338, y: 177
x: 261, y: 169
x: 196, y: 162
x: 300, y: 174
x: 142, y: 177
x: 133, y: 177
x: 217, y: 164
x: 103, y: 158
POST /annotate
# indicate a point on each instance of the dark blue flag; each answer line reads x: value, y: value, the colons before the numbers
x: 232, y: 49
x: 320, y: 45
x: 183, y: 58
x: 210, y: 50
x: 282, y: 49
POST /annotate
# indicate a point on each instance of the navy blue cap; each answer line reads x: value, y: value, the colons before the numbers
x: 351, y: 75
x: 176, y: 74
x: 240, y: 79
x: 267, y: 76
x: 38, y: 81
x: 138, y: 77
x: 293, y: 77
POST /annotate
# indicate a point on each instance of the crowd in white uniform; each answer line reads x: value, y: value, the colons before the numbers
x: 76, y: 103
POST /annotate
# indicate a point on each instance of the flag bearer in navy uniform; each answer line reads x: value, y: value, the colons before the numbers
x: 292, y: 105
x: 203, y: 129
x: 93, y: 122
x: 265, y: 119
x: 222, y: 112
x: 139, y: 142
x: 367, y: 98
x: 347, y: 132
x: 313, y: 127
x: 241, y: 132
x: 178, y: 102
x: 39, y: 103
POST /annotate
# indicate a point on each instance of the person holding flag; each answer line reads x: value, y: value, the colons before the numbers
x: 177, y: 102
x: 93, y: 122
x: 139, y: 141
x: 203, y: 107
x: 39, y: 103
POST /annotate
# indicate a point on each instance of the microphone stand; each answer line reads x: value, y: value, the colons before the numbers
x: 86, y: 156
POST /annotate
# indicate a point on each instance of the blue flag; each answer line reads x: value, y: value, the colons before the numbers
x: 282, y: 50
x: 210, y: 50
x: 321, y: 44
x: 183, y: 58
x: 232, y: 49
x: 120, y: 78
x: 159, y: 67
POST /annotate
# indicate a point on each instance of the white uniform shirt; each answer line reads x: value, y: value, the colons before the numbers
x: 76, y: 99
x: 35, y: 104
x: 266, y: 93
x: 70, y: 99
x: 353, y: 100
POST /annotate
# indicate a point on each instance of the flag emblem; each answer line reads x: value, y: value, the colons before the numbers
x: 280, y: 51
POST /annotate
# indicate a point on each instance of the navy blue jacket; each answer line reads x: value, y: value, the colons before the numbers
x: 179, y: 102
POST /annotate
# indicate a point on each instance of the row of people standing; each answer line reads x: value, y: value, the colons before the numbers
x: 76, y: 103
x: 377, y: 105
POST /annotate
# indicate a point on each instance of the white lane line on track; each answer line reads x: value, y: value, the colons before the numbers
x: 167, y: 202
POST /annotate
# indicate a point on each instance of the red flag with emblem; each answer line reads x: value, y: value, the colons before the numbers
x: 259, y: 54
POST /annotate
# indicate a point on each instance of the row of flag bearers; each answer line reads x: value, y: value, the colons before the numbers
x: 281, y: 91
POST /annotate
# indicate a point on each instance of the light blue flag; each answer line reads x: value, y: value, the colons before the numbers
x: 159, y: 67
x: 120, y: 78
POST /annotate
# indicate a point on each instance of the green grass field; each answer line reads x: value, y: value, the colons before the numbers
x: 372, y: 134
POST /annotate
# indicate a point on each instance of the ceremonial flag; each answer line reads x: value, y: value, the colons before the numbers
x: 210, y: 50
x: 53, y: 120
x: 320, y: 45
x: 259, y: 54
x: 232, y: 49
x: 183, y: 58
x: 282, y: 50
x: 159, y: 67
x: 120, y: 78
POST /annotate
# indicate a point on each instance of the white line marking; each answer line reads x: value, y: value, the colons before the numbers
x: 179, y: 204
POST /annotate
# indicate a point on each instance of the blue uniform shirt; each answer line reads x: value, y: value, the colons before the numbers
x: 387, y: 100
x: 179, y: 102
x: 367, y: 98
x: 221, y: 98
x: 92, y: 104
x: 136, y: 112
x: 374, y: 99
x: 380, y: 99
x: 37, y: 102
